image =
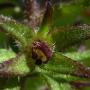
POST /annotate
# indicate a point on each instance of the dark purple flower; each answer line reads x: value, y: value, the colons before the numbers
x: 41, y: 52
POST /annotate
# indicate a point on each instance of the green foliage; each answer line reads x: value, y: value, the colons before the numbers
x: 66, y: 36
x: 50, y: 58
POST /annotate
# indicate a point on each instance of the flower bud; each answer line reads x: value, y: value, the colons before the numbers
x: 41, y: 52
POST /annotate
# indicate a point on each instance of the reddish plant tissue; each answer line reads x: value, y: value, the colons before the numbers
x: 41, y: 52
x: 86, y: 12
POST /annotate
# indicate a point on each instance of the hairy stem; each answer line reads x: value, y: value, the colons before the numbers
x: 34, y: 12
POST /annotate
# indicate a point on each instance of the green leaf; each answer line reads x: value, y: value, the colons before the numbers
x: 44, y: 30
x: 3, y: 40
x: 64, y: 65
x: 62, y: 79
x: 20, y: 31
x: 2, y: 83
x: 62, y: 71
x: 6, y: 55
x: 35, y: 82
x: 19, y: 66
x: 11, y: 84
x: 80, y: 56
x: 67, y: 36
x: 66, y: 14
x: 80, y: 52
x: 54, y: 85
x: 11, y: 64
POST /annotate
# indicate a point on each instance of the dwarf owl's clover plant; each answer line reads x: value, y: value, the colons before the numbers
x: 35, y: 58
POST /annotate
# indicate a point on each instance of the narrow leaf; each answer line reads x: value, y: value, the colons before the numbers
x: 80, y: 56
x: 67, y: 36
x: 15, y: 29
x: 65, y: 65
x: 54, y: 85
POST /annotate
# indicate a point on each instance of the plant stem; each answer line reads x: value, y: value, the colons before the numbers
x: 34, y: 12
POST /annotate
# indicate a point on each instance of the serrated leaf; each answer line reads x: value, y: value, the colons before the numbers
x: 19, y: 31
x: 67, y: 36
